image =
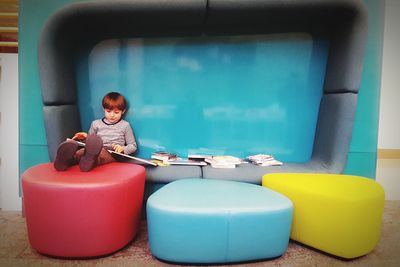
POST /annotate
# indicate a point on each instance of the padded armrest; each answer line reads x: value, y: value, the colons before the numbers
x: 61, y: 122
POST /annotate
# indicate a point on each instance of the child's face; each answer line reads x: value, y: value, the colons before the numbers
x: 113, y: 115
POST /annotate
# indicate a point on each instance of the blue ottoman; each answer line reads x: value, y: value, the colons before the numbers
x: 216, y: 221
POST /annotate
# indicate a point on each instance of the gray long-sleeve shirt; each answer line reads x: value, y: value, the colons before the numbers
x: 119, y: 133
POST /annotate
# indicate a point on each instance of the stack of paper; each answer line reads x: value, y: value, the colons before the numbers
x: 223, y: 161
x: 264, y: 160
x: 165, y: 157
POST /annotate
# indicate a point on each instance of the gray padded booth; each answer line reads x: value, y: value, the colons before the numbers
x: 343, y: 22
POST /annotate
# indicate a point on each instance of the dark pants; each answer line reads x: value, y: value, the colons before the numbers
x: 104, y: 156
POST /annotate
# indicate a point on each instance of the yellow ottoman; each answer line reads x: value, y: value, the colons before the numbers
x: 338, y: 214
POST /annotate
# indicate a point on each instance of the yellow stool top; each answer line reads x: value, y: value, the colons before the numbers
x: 349, y: 186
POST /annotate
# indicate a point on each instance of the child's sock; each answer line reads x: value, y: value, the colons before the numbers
x: 65, y: 155
x: 93, y: 147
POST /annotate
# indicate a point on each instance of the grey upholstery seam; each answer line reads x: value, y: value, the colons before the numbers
x: 355, y: 92
x: 206, y: 15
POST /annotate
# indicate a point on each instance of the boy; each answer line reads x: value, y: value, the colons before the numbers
x: 109, y: 133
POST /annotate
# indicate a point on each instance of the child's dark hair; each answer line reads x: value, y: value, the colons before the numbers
x: 114, y: 100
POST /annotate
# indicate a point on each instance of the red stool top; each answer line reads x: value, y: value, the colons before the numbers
x: 108, y: 174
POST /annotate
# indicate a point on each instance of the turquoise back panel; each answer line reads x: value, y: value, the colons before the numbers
x: 363, y: 148
x: 233, y: 95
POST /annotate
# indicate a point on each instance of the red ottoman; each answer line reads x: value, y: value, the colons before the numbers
x: 82, y: 214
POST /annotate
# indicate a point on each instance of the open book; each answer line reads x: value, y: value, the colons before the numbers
x: 223, y: 161
x: 264, y: 160
x: 139, y: 160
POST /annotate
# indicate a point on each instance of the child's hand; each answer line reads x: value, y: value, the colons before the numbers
x: 80, y: 136
x: 118, y: 148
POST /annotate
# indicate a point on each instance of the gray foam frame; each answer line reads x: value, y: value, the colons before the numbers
x: 344, y: 22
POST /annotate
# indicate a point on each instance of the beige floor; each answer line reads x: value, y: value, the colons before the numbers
x: 388, y: 175
x: 16, y: 251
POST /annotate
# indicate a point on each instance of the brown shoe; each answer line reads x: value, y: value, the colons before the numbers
x: 93, y: 147
x: 65, y: 155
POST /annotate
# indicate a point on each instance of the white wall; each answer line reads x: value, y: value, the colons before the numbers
x: 9, y: 182
x: 389, y: 117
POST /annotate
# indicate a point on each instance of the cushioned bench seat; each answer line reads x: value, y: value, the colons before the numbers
x: 214, y: 221
x: 168, y: 174
x: 251, y: 173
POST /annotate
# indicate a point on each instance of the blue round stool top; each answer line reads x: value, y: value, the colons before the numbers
x: 216, y: 221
